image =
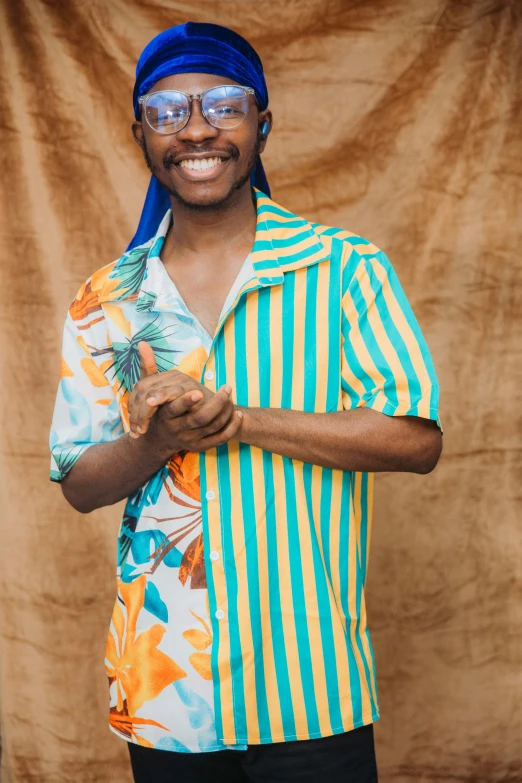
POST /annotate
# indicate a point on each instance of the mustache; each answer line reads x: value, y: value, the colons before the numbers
x: 227, y: 152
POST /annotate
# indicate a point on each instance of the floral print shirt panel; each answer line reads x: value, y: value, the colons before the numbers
x: 160, y: 640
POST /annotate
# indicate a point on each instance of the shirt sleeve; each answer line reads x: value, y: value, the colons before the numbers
x: 86, y: 411
x: 385, y: 363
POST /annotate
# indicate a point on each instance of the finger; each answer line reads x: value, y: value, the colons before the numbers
x: 148, y: 364
x: 167, y: 389
x: 221, y: 437
x: 183, y: 404
x: 171, y: 385
x: 152, y: 400
x: 208, y: 411
x: 157, y: 390
x: 174, y: 410
x: 140, y: 424
x: 136, y: 402
x: 168, y: 392
x: 217, y: 423
x: 134, y: 405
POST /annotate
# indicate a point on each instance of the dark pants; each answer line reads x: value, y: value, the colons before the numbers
x: 341, y: 758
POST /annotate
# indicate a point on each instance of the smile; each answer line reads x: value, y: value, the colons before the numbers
x: 198, y: 169
x: 200, y: 164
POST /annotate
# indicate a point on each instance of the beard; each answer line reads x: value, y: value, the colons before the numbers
x: 168, y: 163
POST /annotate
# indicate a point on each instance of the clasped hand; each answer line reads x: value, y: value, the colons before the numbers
x: 177, y: 412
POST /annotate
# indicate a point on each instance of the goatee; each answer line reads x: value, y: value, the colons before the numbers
x: 169, y: 163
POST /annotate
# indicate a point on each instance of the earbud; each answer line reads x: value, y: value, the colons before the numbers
x: 264, y: 130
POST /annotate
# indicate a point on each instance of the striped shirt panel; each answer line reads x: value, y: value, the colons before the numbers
x: 326, y: 327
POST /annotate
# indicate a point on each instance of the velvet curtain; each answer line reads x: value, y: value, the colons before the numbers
x: 397, y: 119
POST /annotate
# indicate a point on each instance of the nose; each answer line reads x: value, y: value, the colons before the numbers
x: 197, y: 128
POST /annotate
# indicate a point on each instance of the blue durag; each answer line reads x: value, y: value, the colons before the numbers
x: 194, y: 48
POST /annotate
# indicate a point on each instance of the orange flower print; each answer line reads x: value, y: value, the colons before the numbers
x: 102, y: 282
x: 86, y: 302
x: 184, y: 472
x: 193, y: 363
x: 140, y: 670
x: 130, y: 727
x: 193, y: 565
x: 124, y: 398
x: 93, y: 373
x: 201, y: 640
x: 65, y: 370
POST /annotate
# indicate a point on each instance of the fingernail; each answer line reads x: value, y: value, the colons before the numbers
x: 228, y: 389
x: 140, y: 430
x: 152, y: 401
x: 240, y: 414
x: 196, y: 396
x: 134, y: 434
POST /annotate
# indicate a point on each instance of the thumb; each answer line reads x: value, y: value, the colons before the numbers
x: 148, y: 364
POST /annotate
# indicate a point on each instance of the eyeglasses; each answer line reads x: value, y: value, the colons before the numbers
x: 168, y: 111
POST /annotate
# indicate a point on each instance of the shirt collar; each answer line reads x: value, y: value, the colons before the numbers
x: 283, y: 242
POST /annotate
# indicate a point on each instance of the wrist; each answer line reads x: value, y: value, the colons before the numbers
x: 244, y: 433
x: 156, y: 445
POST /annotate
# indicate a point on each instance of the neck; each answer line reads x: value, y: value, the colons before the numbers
x: 215, y: 231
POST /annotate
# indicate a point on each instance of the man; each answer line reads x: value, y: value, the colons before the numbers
x: 239, y: 375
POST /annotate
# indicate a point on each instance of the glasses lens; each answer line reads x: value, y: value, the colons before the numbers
x: 167, y: 111
x: 225, y: 107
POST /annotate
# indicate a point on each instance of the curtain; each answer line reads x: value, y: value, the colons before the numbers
x: 396, y: 119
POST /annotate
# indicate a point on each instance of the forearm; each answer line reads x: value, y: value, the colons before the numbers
x: 109, y: 472
x: 358, y: 440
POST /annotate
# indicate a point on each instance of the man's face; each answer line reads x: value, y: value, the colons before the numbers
x: 237, y: 147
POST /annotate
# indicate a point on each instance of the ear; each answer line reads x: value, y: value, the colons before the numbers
x: 264, y: 116
x: 137, y: 132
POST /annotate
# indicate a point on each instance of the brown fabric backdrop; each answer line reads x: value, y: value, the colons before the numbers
x: 396, y: 119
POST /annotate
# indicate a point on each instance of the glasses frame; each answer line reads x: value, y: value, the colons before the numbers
x: 142, y: 101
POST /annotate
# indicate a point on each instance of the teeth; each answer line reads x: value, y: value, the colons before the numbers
x: 200, y: 165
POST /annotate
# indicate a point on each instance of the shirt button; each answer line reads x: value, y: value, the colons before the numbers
x: 209, y: 375
x: 214, y: 555
x: 210, y: 495
x: 220, y: 614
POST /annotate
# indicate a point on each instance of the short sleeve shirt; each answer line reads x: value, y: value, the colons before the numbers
x: 240, y: 615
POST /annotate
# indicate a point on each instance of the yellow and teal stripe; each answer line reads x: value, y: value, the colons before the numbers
x: 324, y: 326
